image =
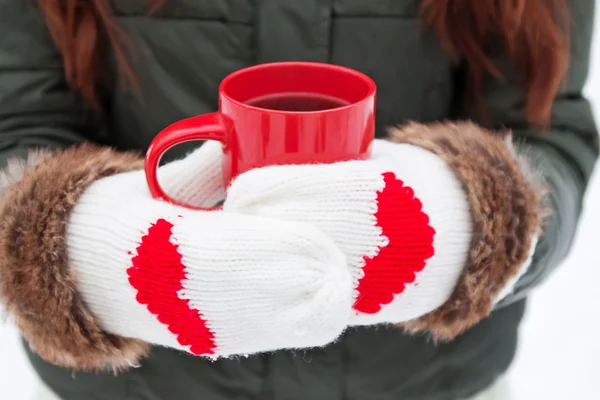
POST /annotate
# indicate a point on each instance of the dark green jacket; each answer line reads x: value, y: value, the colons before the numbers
x: 181, y: 53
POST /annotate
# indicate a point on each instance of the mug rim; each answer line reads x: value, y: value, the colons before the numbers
x: 371, y: 91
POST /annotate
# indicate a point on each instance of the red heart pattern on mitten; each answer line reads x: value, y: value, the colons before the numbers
x: 409, y: 236
x: 157, y: 273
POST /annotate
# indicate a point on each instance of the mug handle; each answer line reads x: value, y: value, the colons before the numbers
x: 201, y: 127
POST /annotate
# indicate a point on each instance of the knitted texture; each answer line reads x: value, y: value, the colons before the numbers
x: 209, y: 283
x: 296, y: 254
x: 402, y: 219
x: 162, y: 298
x: 197, y: 179
x: 410, y: 239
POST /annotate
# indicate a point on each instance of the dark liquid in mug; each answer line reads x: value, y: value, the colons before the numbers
x: 297, y: 102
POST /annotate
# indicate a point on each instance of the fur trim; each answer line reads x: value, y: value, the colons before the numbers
x: 15, y: 168
x: 37, y: 286
x: 506, y: 209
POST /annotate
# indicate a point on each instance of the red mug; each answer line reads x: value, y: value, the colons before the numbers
x: 279, y: 113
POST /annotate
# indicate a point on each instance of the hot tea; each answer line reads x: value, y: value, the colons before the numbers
x: 297, y: 102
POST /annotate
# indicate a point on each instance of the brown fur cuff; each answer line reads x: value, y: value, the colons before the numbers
x: 506, y: 210
x: 37, y: 286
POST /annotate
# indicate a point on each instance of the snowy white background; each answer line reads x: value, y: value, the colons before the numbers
x: 559, y: 350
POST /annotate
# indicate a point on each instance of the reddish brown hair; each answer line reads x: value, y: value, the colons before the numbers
x: 534, y: 32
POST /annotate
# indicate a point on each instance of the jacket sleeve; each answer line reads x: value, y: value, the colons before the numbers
x: 36, y: 107
x: 565, y: 155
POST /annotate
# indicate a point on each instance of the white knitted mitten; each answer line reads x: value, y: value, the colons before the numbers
x: 210, y: 283
x: 402, y: 219
x: 197, y: 179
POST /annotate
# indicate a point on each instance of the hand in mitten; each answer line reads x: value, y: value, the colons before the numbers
x: 197, y: 179
x: 93, y: 268
x: 435, y: 228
